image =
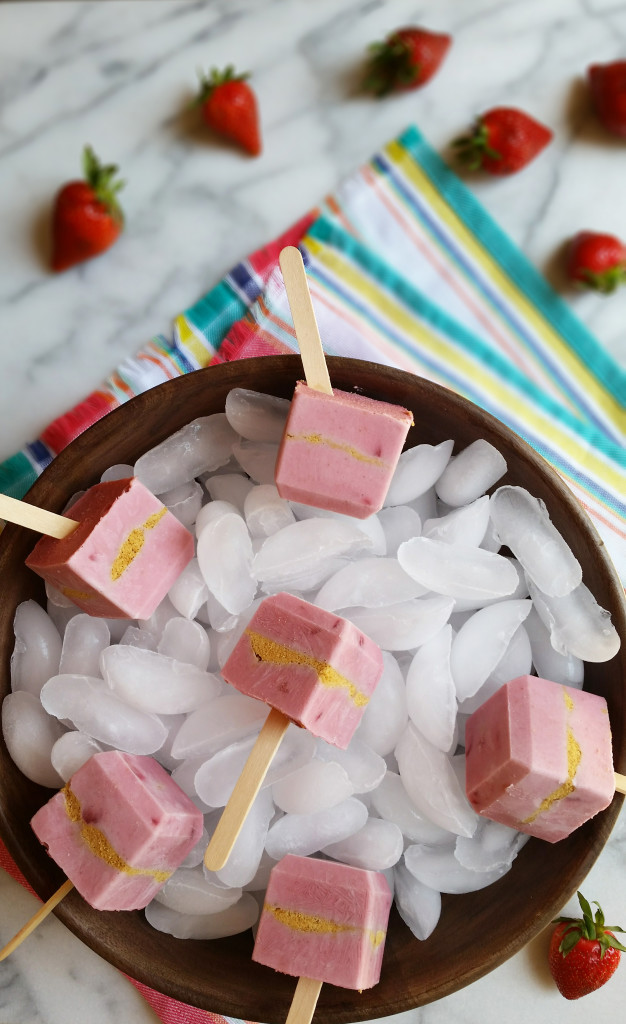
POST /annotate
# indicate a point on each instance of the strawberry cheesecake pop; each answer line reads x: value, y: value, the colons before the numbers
x: 118, y: 829
x: 323, y: 922
x: 539, y: 758
x: 116, y: 557
x: 339, y: 449
x: 313, y: 668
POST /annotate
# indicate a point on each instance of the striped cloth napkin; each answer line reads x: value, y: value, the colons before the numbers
x: 405, y: 268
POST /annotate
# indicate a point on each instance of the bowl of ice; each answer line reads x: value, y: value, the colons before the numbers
x: 467, y: 896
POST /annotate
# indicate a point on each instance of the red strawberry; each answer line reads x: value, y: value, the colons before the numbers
x: 503, y: 141
x: 608, y: 94
x: 229, y: 107
x: 583, y: 953
x: 406, y: 59
x: 597, y: 261
x: 87, y: 217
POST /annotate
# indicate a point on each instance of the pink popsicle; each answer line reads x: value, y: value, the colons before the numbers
x: 123, y: 556
x: 339, y: 451
x: 539, y: 757
x: 324, y: 920
x: 118, y: 829
x: 315, y: 667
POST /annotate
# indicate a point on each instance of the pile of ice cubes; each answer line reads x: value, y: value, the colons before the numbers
x: 424, y: 578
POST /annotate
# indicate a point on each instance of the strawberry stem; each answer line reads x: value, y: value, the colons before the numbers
x: 209, y: 83
x: 589, y: 928
x: 101, y: 178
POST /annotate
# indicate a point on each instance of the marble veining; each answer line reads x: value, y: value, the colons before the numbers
x: 120, y: 75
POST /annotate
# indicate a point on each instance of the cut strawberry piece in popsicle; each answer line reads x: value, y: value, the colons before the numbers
x: 539, y: 757
x: 339, y: 451
x: 122, y: 555
x: 118, y: 829
x: 324, y: 922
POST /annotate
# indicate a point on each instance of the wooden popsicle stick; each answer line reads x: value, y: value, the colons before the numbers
x: 307, y: 334
x: 304, y: 1001
x: 620, y: 783
x: 36, y: 919
x: 35, y: 518
x: 246, y: 788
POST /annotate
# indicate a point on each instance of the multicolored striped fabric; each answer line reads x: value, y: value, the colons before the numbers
x: 406, y: 268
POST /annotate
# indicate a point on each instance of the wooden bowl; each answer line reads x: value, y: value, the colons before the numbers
x: 477, y: 931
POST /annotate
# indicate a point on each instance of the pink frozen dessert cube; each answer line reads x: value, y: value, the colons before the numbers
x: 124, y: 555
x: 324, y: 920
x: 118, y: 829
x: 339, y: 451
x: 539, y: 757
x: 316, y: 668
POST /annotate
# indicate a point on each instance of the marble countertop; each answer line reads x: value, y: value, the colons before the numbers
x: 119, y: 75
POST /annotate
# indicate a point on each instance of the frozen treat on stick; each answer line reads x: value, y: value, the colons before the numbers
x: 539, y: 757
x: 339, y: 449
x: 118, y: 554
x: 118, y: 829
x: 313, y: 668
x: 323, y: 922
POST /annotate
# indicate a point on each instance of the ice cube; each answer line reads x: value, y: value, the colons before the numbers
x: 430, y: 690
x: 255, y: 416
x: 404, y: 626
x: 417, y: 470
x: 391, y: 801
x: 375, y: 847
x: 457, y: 570
x: 419, y: 906
x: 301, y: 547
x: 257, y: 459
x: 303, y: 834
x: 186, y: 641
x: 466, y: 525
x: 184, y: 502
x: 314, y: 787
x: 385, y: 716
x: 71, y: 751
x: 399, y: 523
x: 470, y: 474
x: 365, y: 768
x: 218, y: 724
x: 439, y: 869
x: 235, y: 919
x: 93, y: 708
x: 230, y: 487
x: 523, y: 524
x: 188, y: 892
x: 368, y: 583
x: 200, y: 446
x: 30, y: 734
x: 429, y: 779
x: 577, y: 624
x: 481, y: 642
x: 155, y: 683
x: 225, y: 560
x: 266, y: 512
x: 549, y: 664
x: 84, y: 640
x: 37, y: 651
x: 492, y: 846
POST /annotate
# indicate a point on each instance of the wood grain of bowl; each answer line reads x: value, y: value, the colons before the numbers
x: 477, y: 931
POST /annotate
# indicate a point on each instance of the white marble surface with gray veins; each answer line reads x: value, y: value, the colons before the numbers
x: 120, y: 75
